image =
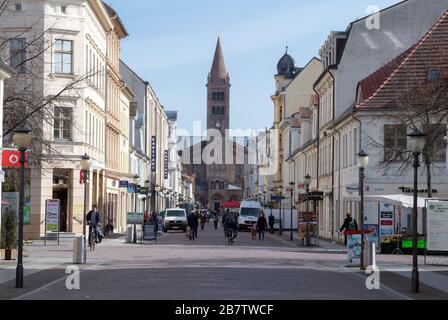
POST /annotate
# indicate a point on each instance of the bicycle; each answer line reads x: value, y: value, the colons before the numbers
x: 230, y: 235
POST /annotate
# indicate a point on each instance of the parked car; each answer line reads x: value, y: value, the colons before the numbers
x: 175, y: 219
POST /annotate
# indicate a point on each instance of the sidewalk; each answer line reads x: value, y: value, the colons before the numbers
x: 432, y: 275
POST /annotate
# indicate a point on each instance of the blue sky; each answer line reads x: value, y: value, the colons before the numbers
x: 171, y: 45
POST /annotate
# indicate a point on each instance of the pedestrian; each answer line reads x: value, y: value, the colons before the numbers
x: 202, y: 220
x: 216, y: 220
x: 153, y: 216
x: 109, y: 228
x: 192, y: 221
x: 271, y: 223
x: 262, y: 225
x: 350, y: 224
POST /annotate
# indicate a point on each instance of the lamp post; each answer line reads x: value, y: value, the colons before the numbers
x: 22, y: 140
x: 85, y: 168
x: 362, y: 160
x: 279, y: 190
x: 136, y: 181
x: 307, y: 184
x: 156, y: 190
x: 291, y: 184
x: 147, y: 187
x: 416, y: 143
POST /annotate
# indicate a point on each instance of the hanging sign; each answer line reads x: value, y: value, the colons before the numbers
x: 153, y: 153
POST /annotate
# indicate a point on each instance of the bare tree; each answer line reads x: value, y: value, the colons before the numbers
x: 26, y: 102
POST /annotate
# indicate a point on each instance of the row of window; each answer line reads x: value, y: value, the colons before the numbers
x: 395, y: 142
x: 95, y: 68
x: 218, y: 96
x: 218, y: 110
x: 217, y: 185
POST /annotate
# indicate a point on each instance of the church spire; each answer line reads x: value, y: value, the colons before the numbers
x: 218, y: 71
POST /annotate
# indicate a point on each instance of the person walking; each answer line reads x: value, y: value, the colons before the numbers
x: 192, y: 222
x: 216, y: 220
x: 262, y: 225
x: 271, y: 223
x: 350, y: 224
x: 203, y: 218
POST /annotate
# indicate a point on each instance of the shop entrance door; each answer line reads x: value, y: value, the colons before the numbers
x: 62, y: 195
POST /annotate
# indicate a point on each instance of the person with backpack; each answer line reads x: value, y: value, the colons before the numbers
x: 350, y: 224
x: 230, y: 223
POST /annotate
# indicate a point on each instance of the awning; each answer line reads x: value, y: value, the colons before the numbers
x: 231, y: 204
x: 393, y: 199
x: 232, y: 187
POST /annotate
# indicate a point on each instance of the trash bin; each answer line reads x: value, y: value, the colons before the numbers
x: 78, y: 250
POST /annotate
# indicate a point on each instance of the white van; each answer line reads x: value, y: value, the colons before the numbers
x: 248, y: 214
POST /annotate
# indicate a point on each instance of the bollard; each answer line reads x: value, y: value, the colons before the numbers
x: 78, y: 251
x: 373, y: 254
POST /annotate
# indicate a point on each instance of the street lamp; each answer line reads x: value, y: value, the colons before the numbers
x: 307, y: 184
x: 362, y: 160
x: 147, y: 187
x: 291, y: 184
x: 279, y: 190
x: 22, y: 140
x: 416, y: 143
x: 157, y: 190
x: 136, y: 182
x: 85, y: 164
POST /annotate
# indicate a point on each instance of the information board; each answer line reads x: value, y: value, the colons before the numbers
x: 52, y: 214
x: 134, y: 218
x: 437, y: 225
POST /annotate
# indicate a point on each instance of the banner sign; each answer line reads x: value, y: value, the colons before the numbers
x: 134, y: 218
x: 131, y: 188
x: 153, y: 153
x: 165, y: 165
x: 386, y: 219
x: 437, y: 225
x: 52, y: 214
x: 144, y: 190
x: 354, y: 248
x: 137, y: 188
x: 11, y: 159
x: 123, y: 184
x: 373, y: 236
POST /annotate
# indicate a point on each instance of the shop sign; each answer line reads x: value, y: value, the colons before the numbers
x: 386, y: 219
x: 123, y: 184
x: 52, y: 214
x: 11, y: 159
x: 165, y: 165
x: 153, y: 153
x: 411, y: 190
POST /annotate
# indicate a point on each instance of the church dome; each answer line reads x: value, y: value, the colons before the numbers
x: 286, y: 66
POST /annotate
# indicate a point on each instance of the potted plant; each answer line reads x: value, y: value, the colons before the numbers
x: 9, y: 233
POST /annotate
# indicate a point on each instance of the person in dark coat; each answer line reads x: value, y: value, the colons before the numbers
x: 271, y: 223
x: 262, y: 225
x: 192, y: 221
x: 93, y: 220
x: 350, y: 224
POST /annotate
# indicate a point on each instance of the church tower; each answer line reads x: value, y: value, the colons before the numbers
x: 218, y: 93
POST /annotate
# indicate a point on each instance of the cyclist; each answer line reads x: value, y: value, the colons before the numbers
x: 230, y: 222
x: 93, y: 220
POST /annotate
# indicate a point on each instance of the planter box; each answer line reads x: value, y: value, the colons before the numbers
x: 13, y: 254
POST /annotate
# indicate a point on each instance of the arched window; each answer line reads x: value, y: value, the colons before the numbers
x: 213, y: 110
x: 222, y: 185
x: 212, y: 185
x: 217, y: 185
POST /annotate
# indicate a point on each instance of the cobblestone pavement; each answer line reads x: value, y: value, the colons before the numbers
x: 207, y: 268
